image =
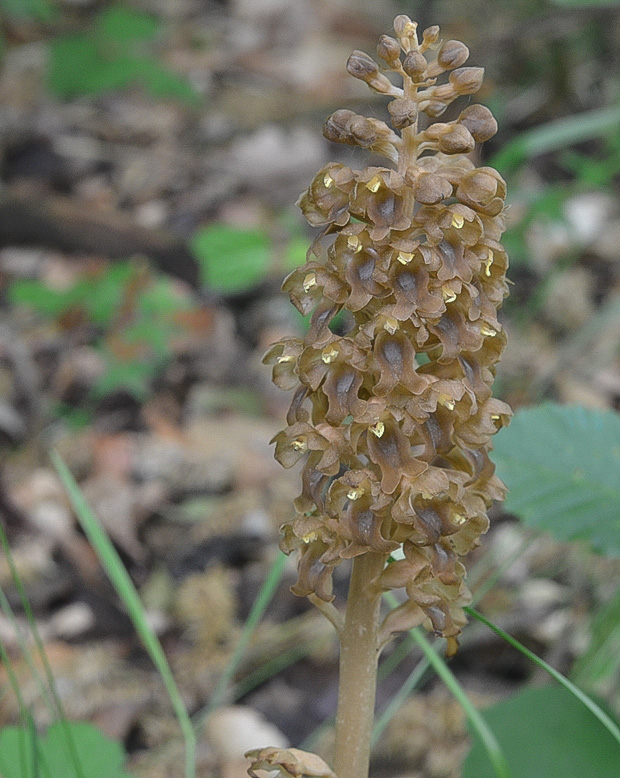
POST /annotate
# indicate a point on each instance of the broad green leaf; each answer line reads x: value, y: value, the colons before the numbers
x: 99, y: 757
x: 546, y: 732
x: 231, y: 259
x: 562, y: 467
x: 79, y: 65
x: 109, y: 57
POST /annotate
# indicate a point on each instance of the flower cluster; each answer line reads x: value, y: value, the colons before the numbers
x: 393, y: 419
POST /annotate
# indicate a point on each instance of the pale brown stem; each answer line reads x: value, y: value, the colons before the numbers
x: 358, y: 668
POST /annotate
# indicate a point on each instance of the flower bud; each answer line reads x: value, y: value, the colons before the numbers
x: 361, y: 131
x: 429, y: 188
x: 479, y: 121
x: 403, y: 112
x: 452, y: 54
x: 360, y: 65
x: 466, y: 81
x: 335, y: 128
x: 456, y: 140
x: 431, y: 35
x: 388, y: 49
x: 434, y: 108
x: 415, y: 65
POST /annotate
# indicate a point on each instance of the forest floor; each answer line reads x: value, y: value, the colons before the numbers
x: 117, y: 352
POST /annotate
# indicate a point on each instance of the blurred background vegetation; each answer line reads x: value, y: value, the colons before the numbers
x: 151, y: 152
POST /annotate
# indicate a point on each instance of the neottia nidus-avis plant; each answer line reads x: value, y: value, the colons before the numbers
x: 393, y: 419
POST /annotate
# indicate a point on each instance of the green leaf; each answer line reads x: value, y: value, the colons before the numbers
x: 46, y: 301
x: 562, y: 467
x: 102, y: 296
x: 120, y: 23
x: 79, y: 65
x: 99, y: 756
x: 545, y: 731
x: 107, y: 57
x: 133, y: 376
x: 231, y: 259
x: 162, y: 83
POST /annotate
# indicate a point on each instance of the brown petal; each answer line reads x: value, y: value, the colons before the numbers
x: 396, y: 358
x: 315, y: 568
x: 283, y: 357
x: 341, y: 387
x: 389, y: 448
x: 365, y: 525
x: 412, y: 293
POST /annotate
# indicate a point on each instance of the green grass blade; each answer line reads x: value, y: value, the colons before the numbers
x: 23, y: 647
x: 32, y: 623
x: 126, y: 590
x: 4, y: 657
x: 479, y: 725
x: 595, y: 709
x: 557, y: 135
x: 419, y: 670
x: 263, y: 599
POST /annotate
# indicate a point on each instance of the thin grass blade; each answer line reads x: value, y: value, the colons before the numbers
x: 479, y: 725
x: 126, y: 590
x: 263, y: 599
x: 595, y: 709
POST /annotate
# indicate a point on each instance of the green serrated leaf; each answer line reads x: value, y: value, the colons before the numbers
x: 562, y: 467
x: 99, y: 756
x: 545, y: 731
x: 231, y: 259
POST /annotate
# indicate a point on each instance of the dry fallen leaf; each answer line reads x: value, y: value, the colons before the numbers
x: 291, y: 762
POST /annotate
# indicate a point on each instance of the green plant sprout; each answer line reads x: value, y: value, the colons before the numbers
x: 114, y: 54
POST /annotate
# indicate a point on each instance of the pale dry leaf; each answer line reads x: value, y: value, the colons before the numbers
x: 290, y: 763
